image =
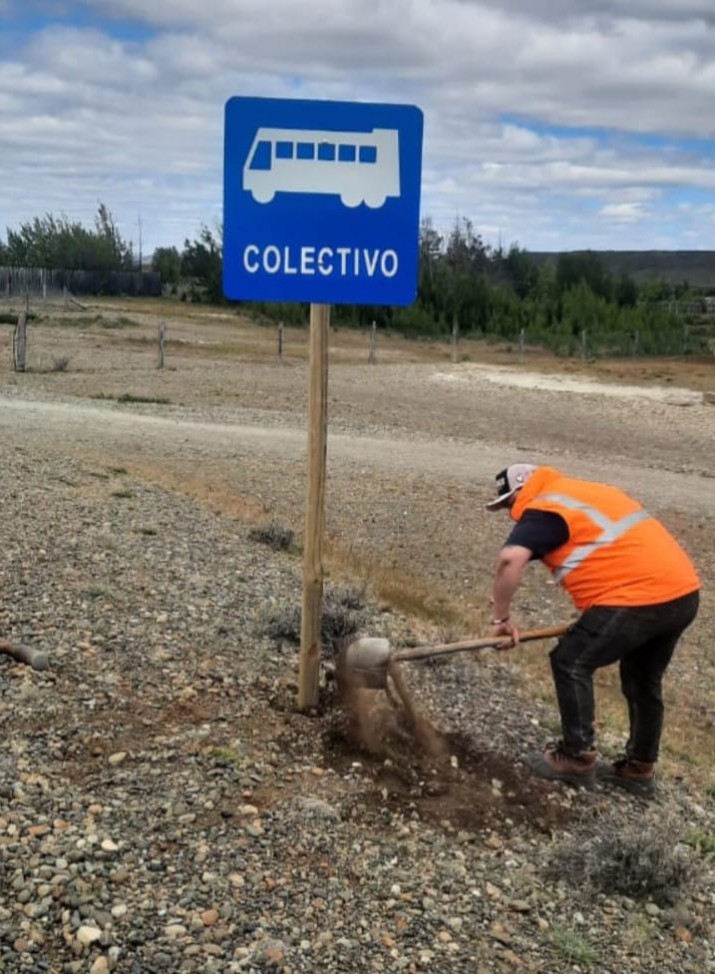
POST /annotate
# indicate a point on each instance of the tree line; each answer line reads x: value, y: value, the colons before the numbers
x: 58, y: 243
x: 572, y: 304
x: 565, y: 304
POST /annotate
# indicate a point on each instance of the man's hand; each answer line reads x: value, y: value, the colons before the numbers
x: 509, y: 631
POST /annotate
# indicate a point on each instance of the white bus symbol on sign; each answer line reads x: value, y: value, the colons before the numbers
x: 359, y: 167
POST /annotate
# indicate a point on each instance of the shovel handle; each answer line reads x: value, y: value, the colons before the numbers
x: 490, y: 642
x: 25, y: 654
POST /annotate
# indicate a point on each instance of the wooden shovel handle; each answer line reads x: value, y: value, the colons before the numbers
x: 25, y: 654
x: 490, y: 642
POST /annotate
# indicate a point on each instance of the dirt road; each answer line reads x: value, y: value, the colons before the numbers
x: 134, y: 434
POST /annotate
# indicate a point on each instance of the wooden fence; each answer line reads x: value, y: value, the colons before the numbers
x: 42, y: 282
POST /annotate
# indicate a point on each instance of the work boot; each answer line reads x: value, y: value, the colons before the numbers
x: 637, y: 777
x: 557, y: 765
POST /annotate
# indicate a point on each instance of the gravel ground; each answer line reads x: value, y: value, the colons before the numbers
x: 164, y: 808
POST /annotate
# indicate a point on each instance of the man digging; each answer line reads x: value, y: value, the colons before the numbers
x: 637, y: 592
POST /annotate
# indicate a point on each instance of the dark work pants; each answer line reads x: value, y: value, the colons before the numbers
x: 642, y: 640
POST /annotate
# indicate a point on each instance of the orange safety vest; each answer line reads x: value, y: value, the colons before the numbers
x: 617, y: 554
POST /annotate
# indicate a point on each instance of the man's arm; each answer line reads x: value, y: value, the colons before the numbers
x: 534, y: 536
x: 513, y: 559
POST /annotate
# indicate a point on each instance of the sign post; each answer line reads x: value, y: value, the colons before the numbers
x: 308, y: 676
x: 321, y: 205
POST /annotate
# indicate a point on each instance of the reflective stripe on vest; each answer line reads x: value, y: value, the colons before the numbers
x: 612, y: 530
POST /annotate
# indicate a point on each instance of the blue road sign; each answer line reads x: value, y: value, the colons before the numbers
x: 321, y: 201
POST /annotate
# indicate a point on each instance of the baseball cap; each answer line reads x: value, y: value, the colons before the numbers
x: 509, y: 481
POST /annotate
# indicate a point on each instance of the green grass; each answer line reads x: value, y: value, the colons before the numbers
x: 703, y: 842
x: 118, y: 323
x: 124, y: 493
x: 11, y: 318
x: 573, y: 948
x: 226, y: 757
x: 94, y: 592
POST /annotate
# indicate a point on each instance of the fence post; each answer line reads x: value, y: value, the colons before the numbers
x: 584, y: 345
x: 636, y: 344
x: 372, y: 348
x: 162, y: 344
x: 455, y: 339
x: 522, y: 343
x: 64, y: 296
x: 19, y: 343
x: 280, y: 341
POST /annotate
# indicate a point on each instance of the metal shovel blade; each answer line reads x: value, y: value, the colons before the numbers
x: 363, y: 664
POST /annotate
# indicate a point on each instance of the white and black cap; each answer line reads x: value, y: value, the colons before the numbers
x: 509, y: 481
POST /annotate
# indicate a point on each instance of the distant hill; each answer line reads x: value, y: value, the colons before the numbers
x: 694, y: 267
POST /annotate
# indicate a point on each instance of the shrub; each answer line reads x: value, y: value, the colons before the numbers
x: 573, y: 948
x: 640, y: 860
x: 343, y: 616
x: 273, y: 535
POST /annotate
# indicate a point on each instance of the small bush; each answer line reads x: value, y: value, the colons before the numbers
x: 640, y: 860
x: 12, y: 318
x: 573, y: 948
x: 343, y: 616
x: 702, y: 841
x: 60, y: 363
x: 274, y: 536
x: 282, y: 624
x: 115, y: 323
x: 128, y: 397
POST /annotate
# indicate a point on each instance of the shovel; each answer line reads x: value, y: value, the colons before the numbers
x: 25, y: 654
x: 367, y: 662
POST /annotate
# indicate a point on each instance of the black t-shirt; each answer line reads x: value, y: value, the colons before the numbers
x: 540, y: 531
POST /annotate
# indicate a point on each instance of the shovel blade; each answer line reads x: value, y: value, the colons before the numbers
x: 362, y: 664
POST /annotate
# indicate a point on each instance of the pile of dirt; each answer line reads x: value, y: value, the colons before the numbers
x: 443, y: 778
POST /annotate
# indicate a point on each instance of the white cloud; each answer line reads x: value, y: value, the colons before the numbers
x: 137, y: 122
x: 623, y: 212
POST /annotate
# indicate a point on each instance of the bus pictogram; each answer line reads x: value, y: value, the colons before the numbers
x: 359, y: 167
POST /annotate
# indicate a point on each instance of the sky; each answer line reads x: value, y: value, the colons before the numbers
x: 551, y: 124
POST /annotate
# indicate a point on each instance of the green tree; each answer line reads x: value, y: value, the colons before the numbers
x: 202, y: 261
x: 57, y: 242
x: 586, y: 268
x: 167, y: 262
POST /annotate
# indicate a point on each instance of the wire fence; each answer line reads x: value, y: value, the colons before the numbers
x: 43, y: 283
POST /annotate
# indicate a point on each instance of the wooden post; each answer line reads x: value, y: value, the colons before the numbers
x: 64, y: 296
x: 162, y: 344
x: 636, y: 343
x: 280, y: 341
x: 455, y: 339
x: 310, y: 647
x: 522, y: 343
x: 372, y: 350
x: 584, y: 345
x: 19, y: 343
